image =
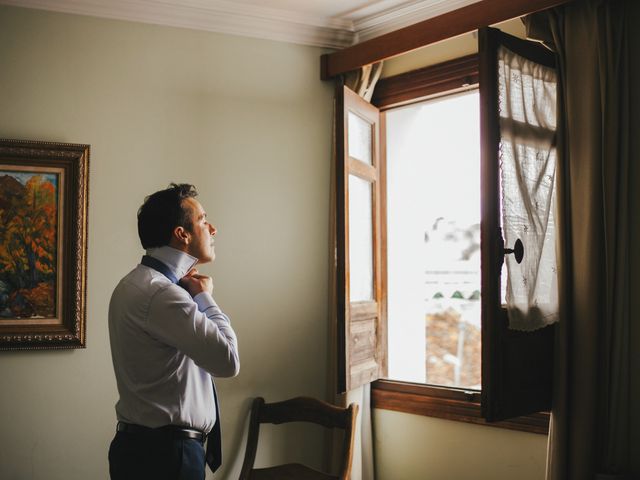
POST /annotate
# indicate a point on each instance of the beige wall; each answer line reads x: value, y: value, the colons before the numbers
x: 249, y: 123
x: 410, y: 447
x: 449, y: 49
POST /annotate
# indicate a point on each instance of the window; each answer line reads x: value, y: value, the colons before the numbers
x: 433, y: 241
x: 369, y: 329
x: 361, y: 301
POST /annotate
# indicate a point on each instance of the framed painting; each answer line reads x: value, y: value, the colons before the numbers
x: 43, y: 244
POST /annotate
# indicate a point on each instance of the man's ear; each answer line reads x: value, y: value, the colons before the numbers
x: 181, y: 235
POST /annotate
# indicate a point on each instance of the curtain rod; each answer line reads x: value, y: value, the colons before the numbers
x: 447, y: 25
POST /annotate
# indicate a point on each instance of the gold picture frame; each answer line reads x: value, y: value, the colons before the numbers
x: 43, y: 244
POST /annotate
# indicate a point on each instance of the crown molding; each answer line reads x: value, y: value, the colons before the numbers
x: 377, y: 24
x: 229, y: 17
x: 214, y: 16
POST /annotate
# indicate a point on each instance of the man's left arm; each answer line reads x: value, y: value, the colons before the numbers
x: 208, y: 306
x: 195, y: 326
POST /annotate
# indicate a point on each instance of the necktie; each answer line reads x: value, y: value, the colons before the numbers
x: 213, y: 454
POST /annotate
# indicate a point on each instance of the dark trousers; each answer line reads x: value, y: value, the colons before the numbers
x: 139, y: 456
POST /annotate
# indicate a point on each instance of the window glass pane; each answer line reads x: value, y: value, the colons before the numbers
x: 360, y: 240
x: 360, y: 137
x: 433, y: 219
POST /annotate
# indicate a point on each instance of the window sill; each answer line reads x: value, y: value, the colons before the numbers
x: 448, y: 403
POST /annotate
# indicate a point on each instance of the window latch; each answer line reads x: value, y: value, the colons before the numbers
x: 517, y: 250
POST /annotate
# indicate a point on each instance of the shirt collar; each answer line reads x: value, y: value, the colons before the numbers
x: 178, y: 261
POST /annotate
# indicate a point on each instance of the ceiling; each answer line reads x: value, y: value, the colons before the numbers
x: 324, y: 23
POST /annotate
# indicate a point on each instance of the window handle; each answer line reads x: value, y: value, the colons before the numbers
x: 517, y: 250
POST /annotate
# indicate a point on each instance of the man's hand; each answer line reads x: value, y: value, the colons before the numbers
x: 194, y: 283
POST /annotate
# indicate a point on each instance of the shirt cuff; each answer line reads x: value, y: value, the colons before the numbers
x: 204, y: 300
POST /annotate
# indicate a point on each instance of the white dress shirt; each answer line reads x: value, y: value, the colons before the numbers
x: 166, y: 345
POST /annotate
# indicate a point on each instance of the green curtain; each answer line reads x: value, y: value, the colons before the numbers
x: 592, y: 419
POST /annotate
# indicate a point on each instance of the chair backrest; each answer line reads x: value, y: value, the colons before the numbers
x: 299, y: 409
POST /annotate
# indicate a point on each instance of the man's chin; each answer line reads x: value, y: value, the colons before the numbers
x: 207, y: 258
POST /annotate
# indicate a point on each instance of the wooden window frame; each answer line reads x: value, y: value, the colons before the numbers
x: 448, y: 25
x: 448, y: 403
x: 361, y: 325
x: 418, y: 85
x: 435, y: 401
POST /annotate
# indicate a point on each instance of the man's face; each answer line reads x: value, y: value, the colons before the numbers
x: 202, y: 232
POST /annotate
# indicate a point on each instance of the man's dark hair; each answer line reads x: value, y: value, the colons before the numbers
x: 162, y: 212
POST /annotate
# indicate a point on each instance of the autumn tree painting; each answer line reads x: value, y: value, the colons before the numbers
x: 28, y: 244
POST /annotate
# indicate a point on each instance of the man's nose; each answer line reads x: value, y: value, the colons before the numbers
x: 212, y: 230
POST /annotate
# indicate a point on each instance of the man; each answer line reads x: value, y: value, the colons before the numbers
x: 168, y: 339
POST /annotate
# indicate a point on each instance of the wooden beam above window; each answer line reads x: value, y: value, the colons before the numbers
x: 419, y: 85
x: 432, y: 30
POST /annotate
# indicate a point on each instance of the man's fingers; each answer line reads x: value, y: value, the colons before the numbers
x: 198, y: 276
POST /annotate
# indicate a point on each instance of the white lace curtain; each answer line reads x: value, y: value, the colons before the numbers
x: 527, y: 93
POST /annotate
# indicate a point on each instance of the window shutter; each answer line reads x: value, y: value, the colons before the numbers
x: 516, y: 365
x: 361, y: 329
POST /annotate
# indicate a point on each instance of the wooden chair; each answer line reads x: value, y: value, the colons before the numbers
x: 300, y: 409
